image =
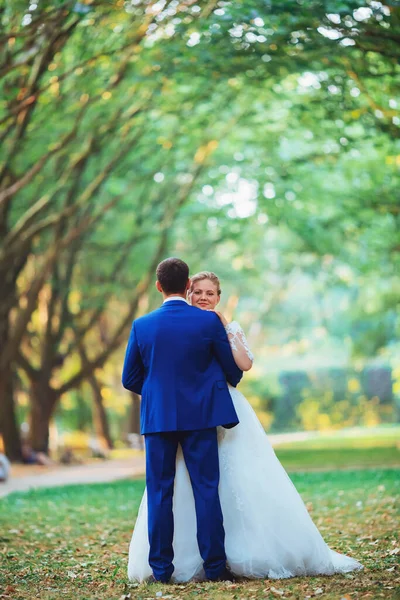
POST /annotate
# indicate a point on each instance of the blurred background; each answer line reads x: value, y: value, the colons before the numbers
x: 256, y: 139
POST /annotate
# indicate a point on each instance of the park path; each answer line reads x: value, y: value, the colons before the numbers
x: 27, y: 477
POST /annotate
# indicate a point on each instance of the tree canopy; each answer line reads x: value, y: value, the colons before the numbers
x: 258, y: 139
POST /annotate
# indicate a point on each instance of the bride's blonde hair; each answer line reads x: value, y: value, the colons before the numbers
x: 205, y: 275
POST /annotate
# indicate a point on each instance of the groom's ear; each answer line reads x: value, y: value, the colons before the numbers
x: 189, y: 283
x: 158, y: 286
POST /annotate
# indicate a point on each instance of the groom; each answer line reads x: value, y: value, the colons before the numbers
x: 179, y: 359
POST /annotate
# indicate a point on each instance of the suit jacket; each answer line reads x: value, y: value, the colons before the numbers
x: 179, y: 359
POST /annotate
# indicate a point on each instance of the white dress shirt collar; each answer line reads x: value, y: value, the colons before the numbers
x: 174, y: 298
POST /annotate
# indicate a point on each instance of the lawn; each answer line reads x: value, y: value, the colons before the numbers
x: 327, y: 458
x: 346, y: 449
x: 353, y: 437
x: 72, y: 542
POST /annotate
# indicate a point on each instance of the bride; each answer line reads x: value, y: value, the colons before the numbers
x: 268, y: 531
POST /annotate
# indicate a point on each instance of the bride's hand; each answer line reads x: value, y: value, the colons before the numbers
x: 221, y: 316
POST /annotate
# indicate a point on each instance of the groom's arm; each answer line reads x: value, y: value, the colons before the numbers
x: 223, y: 352
x: 133, y: 371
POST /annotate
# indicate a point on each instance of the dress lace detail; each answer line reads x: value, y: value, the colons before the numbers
x: 238, y: 336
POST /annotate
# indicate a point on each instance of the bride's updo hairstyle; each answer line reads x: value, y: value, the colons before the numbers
x: 205, y: 275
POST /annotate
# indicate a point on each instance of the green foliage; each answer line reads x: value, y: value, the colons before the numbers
x: 257, y: 139
x: 335, y: 398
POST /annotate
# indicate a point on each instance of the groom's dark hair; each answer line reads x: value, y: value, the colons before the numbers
x: 173, y: 274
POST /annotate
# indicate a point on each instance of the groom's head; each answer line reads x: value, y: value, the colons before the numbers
x: 172, y: 277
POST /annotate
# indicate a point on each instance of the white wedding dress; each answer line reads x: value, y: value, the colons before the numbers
x: 268, y: 531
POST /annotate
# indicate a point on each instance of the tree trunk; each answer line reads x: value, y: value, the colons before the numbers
x: 100, y: 417
x: 8, y: 418
x: 43, y: 402
x: 134, y: 437
x: 83, y: 413
x: 135, y: 414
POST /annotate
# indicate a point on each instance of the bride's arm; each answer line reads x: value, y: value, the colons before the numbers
x: 240, y: 349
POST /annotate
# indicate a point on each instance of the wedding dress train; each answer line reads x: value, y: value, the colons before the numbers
x: 268, y: 530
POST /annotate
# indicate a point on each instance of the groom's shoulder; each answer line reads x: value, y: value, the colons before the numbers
x: 206, y: 317
x: 146, y: 319
x: 204, y: 314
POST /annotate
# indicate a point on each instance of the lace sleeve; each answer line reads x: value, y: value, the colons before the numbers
x: 238, y: 337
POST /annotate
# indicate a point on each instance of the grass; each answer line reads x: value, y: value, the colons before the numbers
x: 352, y: 448
x: 300, y: 456
x: 303, y: 458
x: 382, y: 436
x: 72, y: 542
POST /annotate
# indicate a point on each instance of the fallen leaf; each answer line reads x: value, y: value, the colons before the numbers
x: 276, y: 592
x: 72, y: 574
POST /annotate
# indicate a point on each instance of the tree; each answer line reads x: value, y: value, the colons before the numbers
x: 121, y: 124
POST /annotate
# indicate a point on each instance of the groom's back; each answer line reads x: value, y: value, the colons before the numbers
x: 184, y: 385
x: 174, y: 336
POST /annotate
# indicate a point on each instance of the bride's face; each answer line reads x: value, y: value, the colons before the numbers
x: 204, y: 295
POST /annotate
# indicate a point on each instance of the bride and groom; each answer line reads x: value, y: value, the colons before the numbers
x: 217, y: 502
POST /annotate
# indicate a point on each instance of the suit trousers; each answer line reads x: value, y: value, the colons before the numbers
x: 200, y: 451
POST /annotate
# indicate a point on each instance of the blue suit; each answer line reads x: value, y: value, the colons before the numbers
x: 179, y: 359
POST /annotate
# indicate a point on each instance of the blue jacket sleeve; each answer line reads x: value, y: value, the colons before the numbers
x: 223, y: 352
x: 133, y: 371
